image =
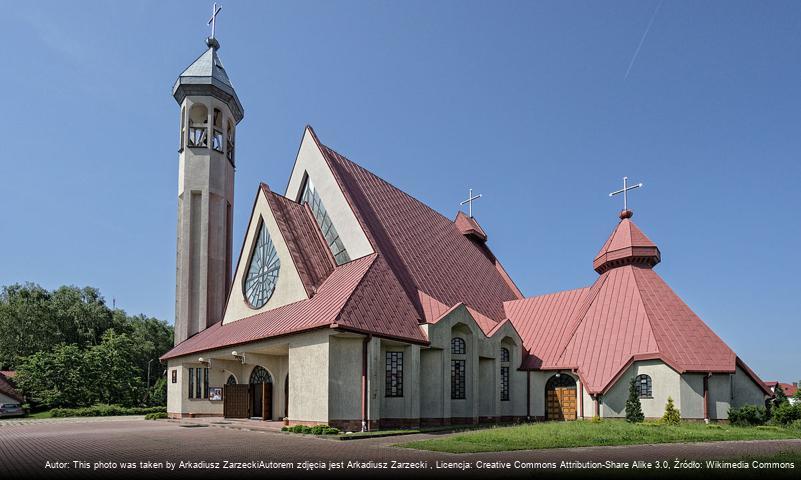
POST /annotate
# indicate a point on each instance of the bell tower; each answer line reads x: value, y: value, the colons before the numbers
x: 210, y: 112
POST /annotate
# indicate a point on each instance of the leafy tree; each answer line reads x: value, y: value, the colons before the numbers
x: 113, y: 366
x: 57, y: 378
x: 779, y: 397
x: 27, y: 324
x: 633, y: 408
x: 672, y: 416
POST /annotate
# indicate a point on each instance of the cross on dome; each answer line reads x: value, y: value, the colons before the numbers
x: 625, y: 213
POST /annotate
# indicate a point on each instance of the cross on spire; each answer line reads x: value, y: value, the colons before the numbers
x: 469, y: 201
x: 213, y: 20
x: 624, y: 191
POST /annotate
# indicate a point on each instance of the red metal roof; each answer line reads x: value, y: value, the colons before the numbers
x: 425, y: 251
x: 319, y: 311
x: 628, y: 314
x: 627, y: 245
x: 788, y: 388
x: 306, y: 245
x: 8, y: 373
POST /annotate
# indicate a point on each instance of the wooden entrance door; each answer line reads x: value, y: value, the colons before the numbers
x: 560, y: 398
x: 236, y: 401
x: 261, y: 394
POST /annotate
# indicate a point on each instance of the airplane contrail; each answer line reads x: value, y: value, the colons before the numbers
x: 642, y: 40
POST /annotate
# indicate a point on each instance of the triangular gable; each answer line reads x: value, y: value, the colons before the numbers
x: 289, y: 287
x: 310, y: 163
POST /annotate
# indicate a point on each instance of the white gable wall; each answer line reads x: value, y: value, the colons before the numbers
x: 289, y: 287
x: 310, y: 161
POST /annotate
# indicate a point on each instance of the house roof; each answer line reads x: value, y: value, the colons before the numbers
x: 788, y: 388
x: 629, y: 313
x: 425, y: 251
x: 7, y: 389
x: 305, y: 243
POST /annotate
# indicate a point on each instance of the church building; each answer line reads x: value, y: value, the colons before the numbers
x: 355, y: 305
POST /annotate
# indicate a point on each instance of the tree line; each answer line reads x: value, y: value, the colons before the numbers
x: 71, y: 350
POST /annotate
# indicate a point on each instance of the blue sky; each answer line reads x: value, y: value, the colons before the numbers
x: 526, y: 102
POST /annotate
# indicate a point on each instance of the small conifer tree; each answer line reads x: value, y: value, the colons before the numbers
x: 633, y: 408
x: 779, y: 396
x: 672, y: 415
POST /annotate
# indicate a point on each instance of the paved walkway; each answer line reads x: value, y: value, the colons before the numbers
x: 25, y: 450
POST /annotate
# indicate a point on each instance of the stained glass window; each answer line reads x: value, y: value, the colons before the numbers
x: 394, y: 378
x: 231, y: 380
x: 458, y: 379
x: 260, y: 375
x: 312, y: 197
x: 504, y: 354
x: 262, y: 273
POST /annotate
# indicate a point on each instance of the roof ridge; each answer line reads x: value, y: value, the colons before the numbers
x: 579, y: 315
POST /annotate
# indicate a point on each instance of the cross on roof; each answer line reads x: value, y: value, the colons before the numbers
x: 213, y: 20
x: 624, y: 191
x: 469, y: 201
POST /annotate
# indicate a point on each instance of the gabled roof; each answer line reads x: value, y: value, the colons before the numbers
x: 628, y: 314
x: 306, y: 245
x: 424, y: 250
x: 470, y: 227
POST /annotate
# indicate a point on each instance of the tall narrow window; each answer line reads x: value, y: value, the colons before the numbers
x: 183, y: 129
x: 504, y: 384
x: 198, y: 384
x: 191, y: 383
x: 458, y: 379
x: 394, y: 377
x: 229, y: 148
x: 205, y: 383
x: 458, y: 346
x: 217, y: 135
x: 312, y: 197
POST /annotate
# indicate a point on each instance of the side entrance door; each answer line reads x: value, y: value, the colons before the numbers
x: 236, y: 400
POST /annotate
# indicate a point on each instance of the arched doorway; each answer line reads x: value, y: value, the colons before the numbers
x: 261, y: 393
x: 560, y: 398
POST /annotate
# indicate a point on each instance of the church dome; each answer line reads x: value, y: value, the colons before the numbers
x: 626, y: 246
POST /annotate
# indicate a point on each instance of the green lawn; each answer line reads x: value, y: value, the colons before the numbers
x: 585, y: 434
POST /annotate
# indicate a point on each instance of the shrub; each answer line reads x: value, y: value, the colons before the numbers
x: 786, y: 413
x: 318, y: 429
x: 102, y: 410
x: 305, y: 429
x: 156, y: 416
x: 296, y: 429
x: 672, y: 414
x: 285, y: 429
x: 748, y: 415
x: 336, y: 431
x: 633, y: 408
x: 596, y: 419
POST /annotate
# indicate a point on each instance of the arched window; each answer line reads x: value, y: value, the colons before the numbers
x: 198, y: 126
x: 458, y: 346
x: 643, y: 386
x: 260, y: 375
x: 231, y: 380
x: 504, y: 354
x: 217, y: 136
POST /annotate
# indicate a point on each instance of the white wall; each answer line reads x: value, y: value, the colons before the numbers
x: 665, y: 382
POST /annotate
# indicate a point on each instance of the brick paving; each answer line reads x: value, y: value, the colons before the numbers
x: 26, y: 447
